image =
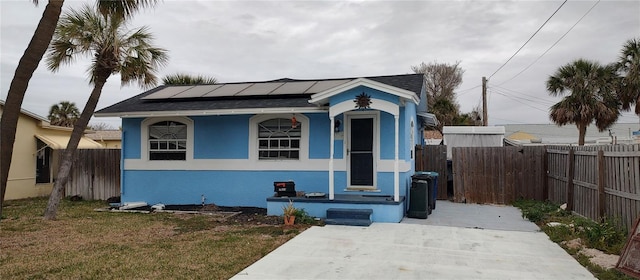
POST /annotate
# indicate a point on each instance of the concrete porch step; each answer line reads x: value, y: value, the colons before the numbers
x: 348, y: 222
x: 346, y: 216
x: 348, y: 213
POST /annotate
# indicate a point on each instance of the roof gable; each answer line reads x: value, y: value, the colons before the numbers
x: 322, y: 97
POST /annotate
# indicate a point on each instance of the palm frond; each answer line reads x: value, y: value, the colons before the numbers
x: 112, y: 48
x: 123, y: 8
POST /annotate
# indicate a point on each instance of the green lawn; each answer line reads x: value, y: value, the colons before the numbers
x: 83, y: 243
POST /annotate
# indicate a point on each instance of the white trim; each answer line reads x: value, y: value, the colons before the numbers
x: 396, y: 176
x: 385, y: 165
x: 144, y: 139
x: 376, y: 104
x: 412, y: 141
x: 322, y: 97
x: 375, y: 115
x: 331, y: 152
x: 219, y: 112
x: 253, y: 137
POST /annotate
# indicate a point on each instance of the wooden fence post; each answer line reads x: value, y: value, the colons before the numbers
x: 570, y: 173
x: 545, y: 172
x: 601, y: 172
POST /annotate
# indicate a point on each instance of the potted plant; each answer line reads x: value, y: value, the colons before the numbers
x: 289, y: 212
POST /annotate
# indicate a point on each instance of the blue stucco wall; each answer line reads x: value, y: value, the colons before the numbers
x: 224, y: 188
x: 221, y: 137
x: 131, y: 143
x: 382, y: 213
x: 319, y: 136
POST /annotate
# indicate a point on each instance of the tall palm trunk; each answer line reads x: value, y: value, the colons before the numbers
x: 67, y: 157
x: 582, y: 132
x: 27, y: 65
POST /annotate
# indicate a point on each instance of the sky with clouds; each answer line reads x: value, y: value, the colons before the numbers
x: 240, y: 41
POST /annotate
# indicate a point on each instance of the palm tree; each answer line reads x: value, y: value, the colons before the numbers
x: 64, y: 113
x: 590, y: 96
x: 186, y: 79
x: 629, y: 66
x: 29, y: 63
x: 113, y: 50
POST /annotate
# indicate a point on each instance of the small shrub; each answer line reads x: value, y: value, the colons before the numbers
x: 605, y: 236
x: 303, y: 217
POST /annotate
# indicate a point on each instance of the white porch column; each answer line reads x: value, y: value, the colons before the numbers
x: 331, y: 150
x: 396, y: 175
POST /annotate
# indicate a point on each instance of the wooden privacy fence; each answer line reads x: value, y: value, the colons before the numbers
x: 596, y: 181
x: 434, y: 158
x: 498, y: 175
x: 95, y: 174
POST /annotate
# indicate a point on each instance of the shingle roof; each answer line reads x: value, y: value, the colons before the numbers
x: 138, y: 103
x: 104, y: 135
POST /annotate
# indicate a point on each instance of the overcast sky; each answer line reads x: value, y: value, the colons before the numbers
x: 244, y: 41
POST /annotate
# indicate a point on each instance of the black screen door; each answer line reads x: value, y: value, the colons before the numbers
x: 361, y: 152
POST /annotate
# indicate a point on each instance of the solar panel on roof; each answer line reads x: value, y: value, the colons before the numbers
x: 196, y: 91
x: 325, y: 85
x: 294, y: 88
x: 260, y: 89
x: 167, y: 92
x: 227, y: 90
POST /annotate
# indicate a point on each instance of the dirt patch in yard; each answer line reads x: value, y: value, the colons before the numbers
x: 221, y: 214
x: 597, y: 257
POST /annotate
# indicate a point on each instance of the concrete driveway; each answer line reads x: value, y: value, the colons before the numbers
x: 458, y: 241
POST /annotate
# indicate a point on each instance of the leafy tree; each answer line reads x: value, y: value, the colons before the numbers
x: 186, y: 79
x: 590, y: 95
x: 441, y: 80
x: 114, y: 50
x: 64, y: 113
x: 629, y: 67
x: 28, y: 64
x: 473, y: 118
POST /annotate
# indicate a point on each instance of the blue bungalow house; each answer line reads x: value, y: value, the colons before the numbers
x: 349, y: 141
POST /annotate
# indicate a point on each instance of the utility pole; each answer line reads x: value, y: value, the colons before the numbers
x: 485, y: 120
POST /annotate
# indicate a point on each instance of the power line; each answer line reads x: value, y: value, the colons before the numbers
x: 554, y: 44
x: 466, y: 91
x: 525, y: 43
x: 539, y: 99
x: 523, y: 103
x: 537, y: 102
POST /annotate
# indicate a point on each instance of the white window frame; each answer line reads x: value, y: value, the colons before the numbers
x: 284, y: 127
x: 144, y: 137
x: 253, y: 136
